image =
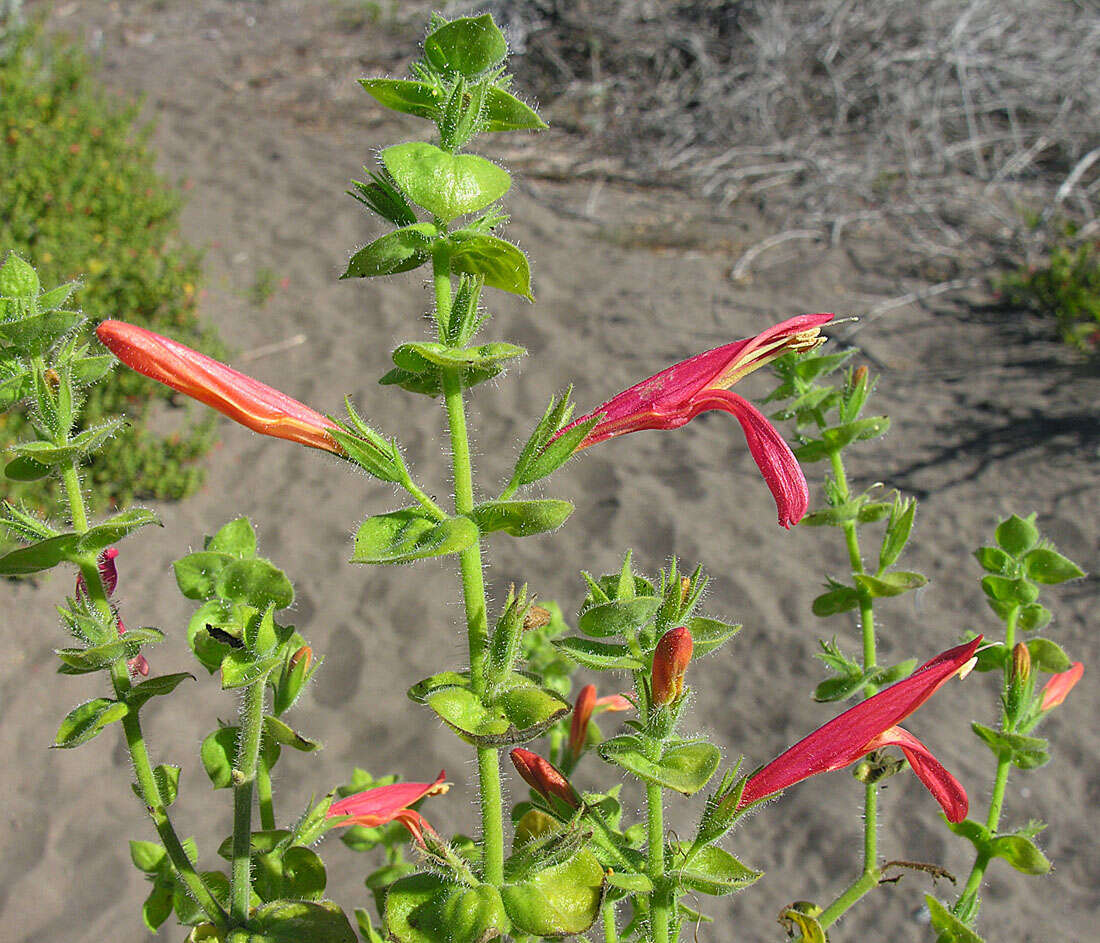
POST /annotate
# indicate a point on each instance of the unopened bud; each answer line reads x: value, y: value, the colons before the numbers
x: 537, y: 617
x: 542, y: 776
x: 670, y: 661
x: 1021, y: 663
x: 685, y: 588
x: 305, y: 653
x: 52, y: 378
x: 582, y: 713
x: 859, y: 375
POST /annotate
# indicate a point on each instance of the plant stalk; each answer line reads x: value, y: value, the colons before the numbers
x: 244, y: 777
x: 659, y: 904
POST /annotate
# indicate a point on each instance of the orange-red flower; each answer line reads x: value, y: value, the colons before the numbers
x: 253, y: 404
x: 384, y: 804
x: 1059, y: 685
x: 586, y: 705
x: 680, y: 393
x: 868, y: 726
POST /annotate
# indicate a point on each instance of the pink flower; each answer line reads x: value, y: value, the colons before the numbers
x: 253, y: 404
x: 678, y: 394
x: 1059, y: 685
x: 108, y: 575
x: 670, y: 660
x: 614, y: 702
x: 384, y: 804
x: 869, y: 726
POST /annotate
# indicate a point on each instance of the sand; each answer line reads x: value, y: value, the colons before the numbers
x: 259, y: 116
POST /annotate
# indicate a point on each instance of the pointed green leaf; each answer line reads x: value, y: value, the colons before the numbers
x: 237, y: 538
x: 501, y: 264
x: 708, y: 635
x: 1021, y: 853
x: 48, y: 453
x: 399, y: 251
x: 1017, y: 535
x: 411, y: 534
x: 521, y: 518
x: 87, y: 720
x: 950, y: 928
x: 446, y: 185
x: 890, y: 584
x: 1048, y: 566
x: 197, y: 574
x: 114, y: 529
x: 686, y: 766
x: 995, y: 560
x: 18, y: 278
x: 618, y: 616
x: 504, y: 112
x: 1047, y: 656
x: 409, y: 97
x: 837, y: 600
x: 241, y: 668
x: 599, y: 656
x: 167, y: 779
x: 288, y: 736
x: 147, y: 856
x: 1033, y: 617
x: 711, y: 870
x: 425, y: 356
x: 468, y: 46
x: 520, y: 711
x: 25, y: 469
x: 256, y: 582
x: 103, y: 656
x: 218, y: 752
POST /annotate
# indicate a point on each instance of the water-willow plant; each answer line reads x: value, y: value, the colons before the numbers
x: 829, y: 418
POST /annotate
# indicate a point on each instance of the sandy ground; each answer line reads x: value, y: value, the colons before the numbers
x: 259, y: 115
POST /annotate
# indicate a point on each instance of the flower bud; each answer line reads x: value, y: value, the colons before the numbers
x: 1021, y: 663
x: 582, y: 713
x: 670, y: 661
x: 685, y: 588
x: 542, y: 776
x: 305, y: 653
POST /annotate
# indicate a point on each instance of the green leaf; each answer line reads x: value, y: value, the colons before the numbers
x: 1017, y: 535
x: 1033, y: 616
x: 1024, y: 752
x: 1010, y: 591
x: 444, y: 679
x: 399, y: 251
x: 25, y: 469
x: 520, y: 711
x: 837, y: 689
x: 295, y: 872
x: 293, y: 921
x: 1048, y: 566
x: 87, y: 720
x: 837, y: 437
x: 521, y: 518
x: 501, y: 264
x: 18, y: 279
x: 43, y: 555
x: 424, y: 356
x: 446, y: 185
x: 599, y: 656
x: 686, y: 766
x: 103, y: 656
x: 561, y: 899
x: 839, y: 599
x: 890, y: 584
x: 237, y: 538
x: 111, y: 531
x: 995, y: 560
x: 409, y: 97
x: 34, y: 334
x: 618, y: 616
x: 256, y: 582
x: 469, y: 46
x: 707, y: 635
x: 288, y: 736
x: 504, y: 112
x: 950, y: 928
x: 427, y: 908
x: 167, y: 779
x: 1021, y: 853
x: 1047, y: 656
x: 218, y: 753
x: 241, y: 667
x: 147, y: 856
x: 711, y: 870
x: 834, y: 516
x: 632, y: 883
x: 897, y: 532
x: 411, y: 534
x: 48, y: 453
x: 197, y: 573
x: 802, y: 917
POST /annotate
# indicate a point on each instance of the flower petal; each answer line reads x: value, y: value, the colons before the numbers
x: 945, y: 788
x: 382, y: 803
x: 845, y: 738
x: 251, y: 403
x: 1059, y: 685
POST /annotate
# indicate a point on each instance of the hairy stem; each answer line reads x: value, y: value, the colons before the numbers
x: 264, y: 797
x: 244, y: 777
x: 473, y: 589
x: 659, y: 903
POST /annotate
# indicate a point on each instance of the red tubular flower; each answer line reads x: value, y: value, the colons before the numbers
x: 545, y: 778
x: 384, y: 804
x: 683, y: 391
x: 868, y: 726
x: 582, y: 714
x: 670, y: 661
x: 1059, y: 685
x: 253, y: 404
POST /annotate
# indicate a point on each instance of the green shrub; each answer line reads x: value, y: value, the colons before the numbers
x: 1066, y: 287
x: 82, y: 200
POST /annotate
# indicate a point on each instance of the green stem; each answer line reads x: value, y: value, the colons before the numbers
x: 70, y: 476
x: 659, y: 907
x: 244, y: 776
x: 473, y: 588
x: 610, y: 933
x: 263, y: 795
